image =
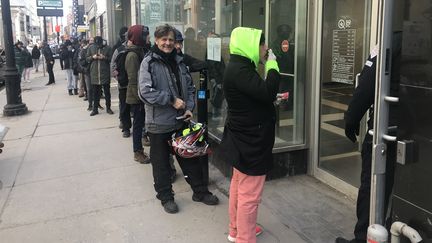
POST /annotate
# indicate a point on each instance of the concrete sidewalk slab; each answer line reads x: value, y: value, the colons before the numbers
x: 69, y: 177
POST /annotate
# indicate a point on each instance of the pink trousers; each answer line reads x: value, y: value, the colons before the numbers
x: 244, y: 198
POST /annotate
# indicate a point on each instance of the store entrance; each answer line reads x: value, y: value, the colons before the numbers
x: 345, y: 36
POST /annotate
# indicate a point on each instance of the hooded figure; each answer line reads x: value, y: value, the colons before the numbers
x: 138, y: 46
x: 249, y: 132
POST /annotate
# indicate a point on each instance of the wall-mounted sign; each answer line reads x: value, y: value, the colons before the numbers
x: 49, y: 3
x: 343, y: 56
x: 50, y: 12
x: 214, y: 48
x: 82, y: 28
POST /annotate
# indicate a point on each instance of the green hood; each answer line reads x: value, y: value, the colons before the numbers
x: 245, y: 42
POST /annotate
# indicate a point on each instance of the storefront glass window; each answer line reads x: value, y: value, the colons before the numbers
x: 206, y: 26
x: 287, y: 39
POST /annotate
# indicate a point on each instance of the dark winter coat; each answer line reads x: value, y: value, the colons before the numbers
x: 46, y: 51
x: 36, y: 53
x: 28, y: 59
x: 249, y: 132
x: 67, y: 58
x: 132, y: 65
x: 99, y: 68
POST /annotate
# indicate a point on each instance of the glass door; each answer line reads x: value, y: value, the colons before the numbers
x: 344, y: 49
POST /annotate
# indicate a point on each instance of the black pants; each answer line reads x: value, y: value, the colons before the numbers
x: 159, y: 157
x: 125, y: 110
x: 138, y: 125
x: 97, y: 94
x: 51, y: 79
x: 363, y: 199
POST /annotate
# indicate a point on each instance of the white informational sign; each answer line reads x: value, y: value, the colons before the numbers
x: 214, y: 49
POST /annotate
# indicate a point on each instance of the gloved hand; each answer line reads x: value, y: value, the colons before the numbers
x: 351, y: 130
x: 270, y: 55
x: 271, y: 62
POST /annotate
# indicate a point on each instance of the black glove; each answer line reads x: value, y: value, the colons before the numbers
x: 351, y: 130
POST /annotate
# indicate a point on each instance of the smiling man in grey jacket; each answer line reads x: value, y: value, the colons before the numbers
x: 166, y: 87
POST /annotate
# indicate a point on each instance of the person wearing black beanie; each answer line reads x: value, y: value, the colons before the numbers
x: 122, y: 37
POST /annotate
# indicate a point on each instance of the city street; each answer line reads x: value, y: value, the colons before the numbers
x: 69, y: 177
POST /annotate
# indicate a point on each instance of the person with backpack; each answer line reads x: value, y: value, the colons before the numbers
x: 166, y: 87
x: 138, y: 45
x: 99, y: 57
x: 119, y: 73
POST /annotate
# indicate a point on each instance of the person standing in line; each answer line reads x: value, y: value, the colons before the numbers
x: 75, y: 51
x: 99, y: 57
x: 166, y: 88
x: 36, y: 57
x: 78, y: 68
x: 138, y: 45
x: 49, y: 59
x: 124, y: 108
x: 19, y: 57
x: 67, y: 57
x: 28, y: 64
x: 249, y: 132
x: 85, y: 67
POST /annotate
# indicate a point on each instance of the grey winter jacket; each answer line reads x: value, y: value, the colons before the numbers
x: 158, y: 90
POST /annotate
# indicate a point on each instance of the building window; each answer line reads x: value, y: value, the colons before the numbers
x: 208, y: 24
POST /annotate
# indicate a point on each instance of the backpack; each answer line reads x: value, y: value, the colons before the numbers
x: 122, y: 77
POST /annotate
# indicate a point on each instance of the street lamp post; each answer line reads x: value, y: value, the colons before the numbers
x: 14, y: 106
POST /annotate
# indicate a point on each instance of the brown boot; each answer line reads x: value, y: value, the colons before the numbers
x: 141, y: 157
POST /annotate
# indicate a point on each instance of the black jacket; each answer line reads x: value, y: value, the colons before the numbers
x: 250, y: 127
x: 48, y: 54
x: 363, y: 97
x: 36, y: 53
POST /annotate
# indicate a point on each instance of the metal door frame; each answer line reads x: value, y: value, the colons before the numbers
x: 315, y: 20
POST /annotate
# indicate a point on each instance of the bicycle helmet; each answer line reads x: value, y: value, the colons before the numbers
x: 190, y: 142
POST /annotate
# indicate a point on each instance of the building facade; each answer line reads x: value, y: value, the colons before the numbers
x: 321, y: 47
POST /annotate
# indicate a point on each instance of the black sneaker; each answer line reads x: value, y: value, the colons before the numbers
x: 109, y: 111
x: 206, y: 198
x: 343, y: 240
x: 126, y: 133
x: 89, y: 108
x: 94, y: 113
x: 170, y: 207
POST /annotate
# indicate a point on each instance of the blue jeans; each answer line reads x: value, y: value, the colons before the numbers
x: 137, y: 125
x: 71, y: 79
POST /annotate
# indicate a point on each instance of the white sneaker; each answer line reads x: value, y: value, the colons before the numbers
x: 258, y: 231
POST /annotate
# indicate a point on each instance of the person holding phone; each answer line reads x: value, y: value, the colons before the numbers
x: 249, y: 132
x: 166, y: 88
x: 99, y: 58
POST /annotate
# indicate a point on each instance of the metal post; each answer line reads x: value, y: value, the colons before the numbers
x: 14, y: 104
x: 58, y: 33
x: 381, y: 111
x: 202, y: 97
x: 45, y: 29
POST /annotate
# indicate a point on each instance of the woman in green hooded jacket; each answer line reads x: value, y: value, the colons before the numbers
x: 250, y: 127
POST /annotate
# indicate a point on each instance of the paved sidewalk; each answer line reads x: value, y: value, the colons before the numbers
x: 69, y: 177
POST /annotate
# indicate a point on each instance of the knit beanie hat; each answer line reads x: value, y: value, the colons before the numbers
x: 137, y: 34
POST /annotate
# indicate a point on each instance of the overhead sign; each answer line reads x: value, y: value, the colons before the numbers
x: 82, y: 28
x: 50, y: 12
x: 50, y: 3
